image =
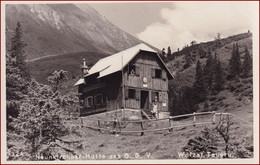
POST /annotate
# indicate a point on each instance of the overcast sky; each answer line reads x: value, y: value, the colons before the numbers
x: 175, y: 24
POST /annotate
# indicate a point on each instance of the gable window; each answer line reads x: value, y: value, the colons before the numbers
x: 131, y: 94
x: 89, y: 101
x: 98, y: 99
x: 133, y: 70
x: 158, y: 73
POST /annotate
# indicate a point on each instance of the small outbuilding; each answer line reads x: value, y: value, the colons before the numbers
x: 135, y: 78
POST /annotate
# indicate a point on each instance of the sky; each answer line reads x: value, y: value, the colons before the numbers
x: 176, y: 24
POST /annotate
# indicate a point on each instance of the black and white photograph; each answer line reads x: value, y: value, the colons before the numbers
x: 130, y: 82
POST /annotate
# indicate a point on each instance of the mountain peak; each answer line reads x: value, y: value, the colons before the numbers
x: 51, y: 29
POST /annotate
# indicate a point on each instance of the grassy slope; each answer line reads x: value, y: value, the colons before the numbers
x: 163, y: 145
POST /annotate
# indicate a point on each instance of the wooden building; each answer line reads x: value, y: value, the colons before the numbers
x: 135, y: 78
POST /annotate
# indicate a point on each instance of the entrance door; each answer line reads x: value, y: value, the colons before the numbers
x: 145, y: 100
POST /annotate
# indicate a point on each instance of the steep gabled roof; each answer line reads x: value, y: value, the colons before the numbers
x: 116, y: 62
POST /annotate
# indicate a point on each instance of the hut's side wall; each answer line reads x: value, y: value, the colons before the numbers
x: 108, y: 88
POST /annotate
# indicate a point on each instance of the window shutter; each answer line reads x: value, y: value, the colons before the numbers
x: 137, y: 94
x: 137, y: 70
x: 164, y: 75
x: 126, y: 92
x: 153, y: 73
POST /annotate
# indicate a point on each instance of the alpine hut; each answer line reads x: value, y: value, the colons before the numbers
x: 135, y: 78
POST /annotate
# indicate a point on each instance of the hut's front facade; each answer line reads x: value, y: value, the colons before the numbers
x: 135, y: 78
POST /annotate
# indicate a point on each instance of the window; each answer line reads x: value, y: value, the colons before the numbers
x: 89, y: 101
x: 158, y: 73
x: 132, y: 70
x: 131, y: 93
x: 98, y: 99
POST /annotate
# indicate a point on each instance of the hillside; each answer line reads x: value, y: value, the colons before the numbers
x: 177, y: 60
x: 55, y: 29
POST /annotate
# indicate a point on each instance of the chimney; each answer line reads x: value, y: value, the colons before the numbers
x: 84, y: 68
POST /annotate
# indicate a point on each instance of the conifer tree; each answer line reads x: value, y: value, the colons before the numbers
x: 219, y: 77
x: 169, y: 52
x: 234, y: 62
x: 17, y: 51
x: 17, y: 75
x: 209, y: 71
x: 247, y: 65
x: 41, y: 122
x: 199, y: 90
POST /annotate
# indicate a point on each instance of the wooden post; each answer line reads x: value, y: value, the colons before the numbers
x: 221, y: 118
x: 194, y: 119
x: 119, y: 126
x: 142, y: 127
x: 214, y: 117
x: 81, y: 120
x: 114, y: 126
x: 99, y: 126
x: 170, y: 124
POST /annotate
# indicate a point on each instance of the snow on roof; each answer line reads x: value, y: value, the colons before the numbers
x: 116, y: 62
x: 80, y: 81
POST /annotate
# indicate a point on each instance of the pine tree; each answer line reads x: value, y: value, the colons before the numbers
x: 169, y: 52
x: 17, y: 75
x: 199, y: 90
x: 17, y: 51
x: 234, y: 62
x: 209, y: 71
x: 41, y: 122
x: 247, y: 65
x: 219, y: 77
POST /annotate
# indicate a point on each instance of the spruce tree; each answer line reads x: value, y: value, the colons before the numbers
x: 234, y: 62
x: 219, y: 77
x: 199, y: 90
x: 17, y: 75
x: 209, y: 71
x: 247, y: 65
x: 169, y: 52
x: 17, y: 51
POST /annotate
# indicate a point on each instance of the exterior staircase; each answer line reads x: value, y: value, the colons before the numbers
x: 147, y: 114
